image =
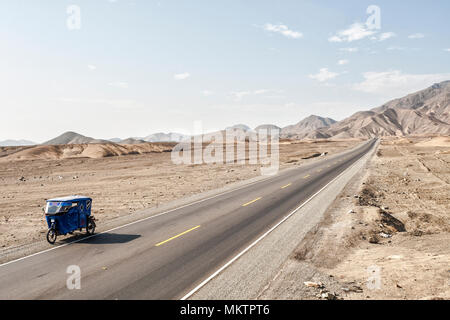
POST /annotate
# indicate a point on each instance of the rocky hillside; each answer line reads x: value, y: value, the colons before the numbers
x: 84, y: 150
x: 423, y: 112
x: 268, y: 127
x: 305, y: 127
x: 132, y: 141
x: 73, y: 138
x: 166, y: 137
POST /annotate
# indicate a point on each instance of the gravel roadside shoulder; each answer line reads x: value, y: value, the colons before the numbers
x: 266, y: 271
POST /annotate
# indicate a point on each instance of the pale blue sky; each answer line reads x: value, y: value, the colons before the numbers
x: 139, y: 67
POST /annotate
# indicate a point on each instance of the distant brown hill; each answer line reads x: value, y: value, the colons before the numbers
x: 73, y: 138
x: 132, y: 141
x: 423, y: 112
x: 304, y: 128
x: 85, y: 150
x: 267, y: 127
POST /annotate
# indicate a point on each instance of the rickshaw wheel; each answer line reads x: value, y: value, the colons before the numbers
x: 51, y: 236
x: 90, y: 228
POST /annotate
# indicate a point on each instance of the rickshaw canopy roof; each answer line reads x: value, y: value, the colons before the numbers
x: 69, y: 199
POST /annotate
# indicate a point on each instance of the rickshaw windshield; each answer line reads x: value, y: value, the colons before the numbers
x: 58, y: 207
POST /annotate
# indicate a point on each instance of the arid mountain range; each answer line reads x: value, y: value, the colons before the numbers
x: 73, y: 138
x: 165, y: 137
x: 306, y: 126
x: 423, y: 112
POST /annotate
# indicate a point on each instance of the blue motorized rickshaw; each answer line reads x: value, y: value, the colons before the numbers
x: 67, y: 214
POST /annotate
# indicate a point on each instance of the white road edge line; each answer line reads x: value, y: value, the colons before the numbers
x: 137, y: 221
x: 264, y: 235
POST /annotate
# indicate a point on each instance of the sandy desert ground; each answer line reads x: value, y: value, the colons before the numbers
x: 387, y: 236
x: 393, y: 217
x: 120, y: 179
x: 402, y: 217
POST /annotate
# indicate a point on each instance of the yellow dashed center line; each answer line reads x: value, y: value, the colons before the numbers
x: 286, y: 186
x: 319, y: 170
x: 178, y: 235
x: 306, y: 177
x: 250, y: 202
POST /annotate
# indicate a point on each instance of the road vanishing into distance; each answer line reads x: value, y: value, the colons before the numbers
x: 169, y: 254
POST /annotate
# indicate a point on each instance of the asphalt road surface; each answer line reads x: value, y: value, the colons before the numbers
x: 169, y: 254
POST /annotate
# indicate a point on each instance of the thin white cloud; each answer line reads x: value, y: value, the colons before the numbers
x: 356, y: 31
x: 397, y: 83
x: 359, y: 31
x: 334, y: 109
x: 349, y: 49
x: 238, y: 95
x: 386, y: 35
x: 182, y: 76
x: 284, y: 30
x: 207, y: 93
x: 448, y: 50
x: 343, y: 61
x: 395, y: 48
x: 416, y: 36
x: 119, y: 84
x: 91, y: 67
x: 291, y: 105
x: 324, y: 75
x: 260, y: 91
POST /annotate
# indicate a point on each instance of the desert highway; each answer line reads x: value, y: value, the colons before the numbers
x: 168, y: 255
